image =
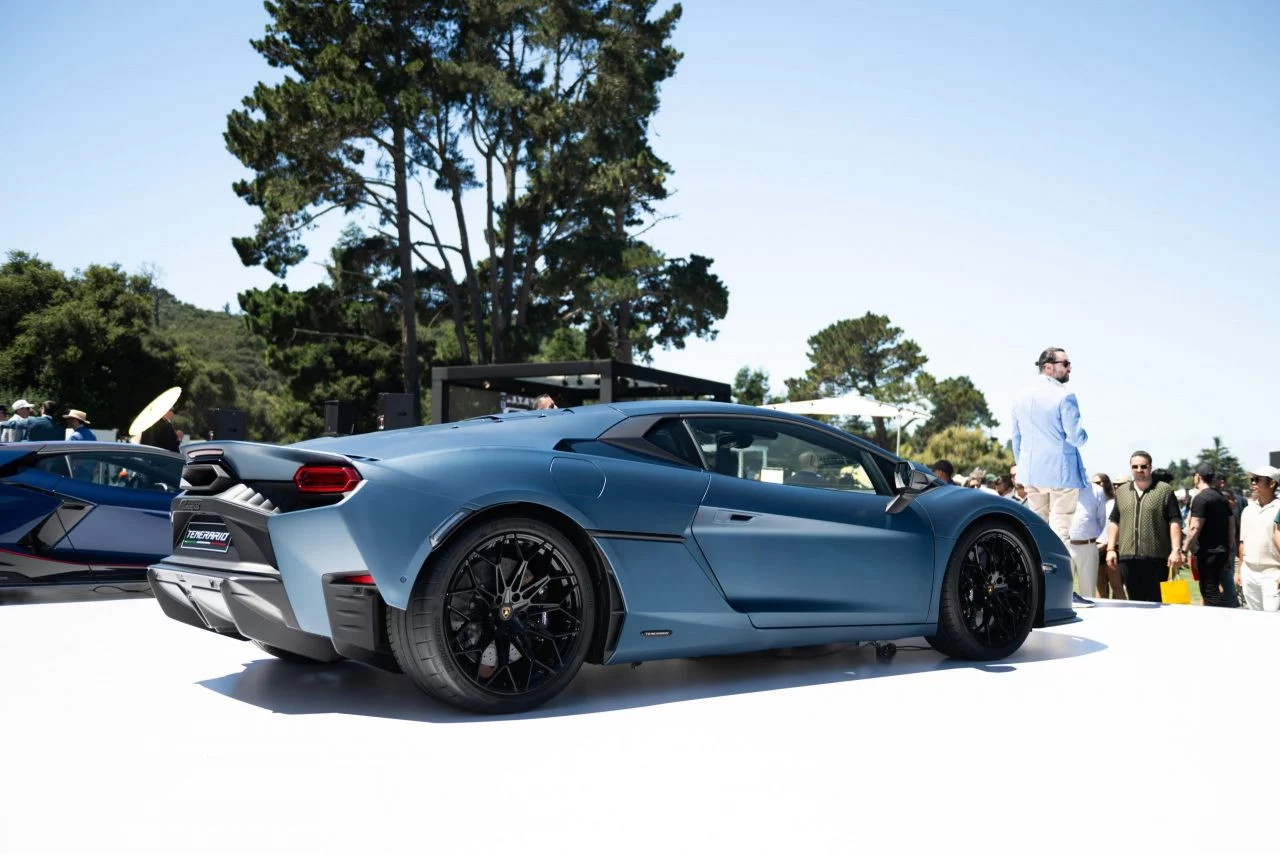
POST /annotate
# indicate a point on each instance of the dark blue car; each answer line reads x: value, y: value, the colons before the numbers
x: 83, y: 512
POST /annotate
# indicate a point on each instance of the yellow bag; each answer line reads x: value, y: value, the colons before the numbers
x: 1175, y: 591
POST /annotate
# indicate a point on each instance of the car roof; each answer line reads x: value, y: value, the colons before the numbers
x: 545, y: 428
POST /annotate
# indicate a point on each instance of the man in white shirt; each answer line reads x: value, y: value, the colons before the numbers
x: 1258, y: 572
x: 1088, y: 523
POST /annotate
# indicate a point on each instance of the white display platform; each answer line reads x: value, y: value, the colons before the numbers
x: 1139, y: 725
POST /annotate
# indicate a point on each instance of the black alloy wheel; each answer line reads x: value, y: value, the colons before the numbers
x: 500, y: 622
x: 989, y: 594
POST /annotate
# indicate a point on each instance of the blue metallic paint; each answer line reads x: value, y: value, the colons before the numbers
x: 795, y: 556
x: 114, y: 530
x: 860, y: 573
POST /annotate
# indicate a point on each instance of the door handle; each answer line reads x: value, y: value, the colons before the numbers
x: 733, y: 517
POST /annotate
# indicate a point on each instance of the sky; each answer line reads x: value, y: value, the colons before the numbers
x: 995, y: 176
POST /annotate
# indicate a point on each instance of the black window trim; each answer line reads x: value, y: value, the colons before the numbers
x: 154, y: 456
x: 629, y: 434
x: 883, y: 487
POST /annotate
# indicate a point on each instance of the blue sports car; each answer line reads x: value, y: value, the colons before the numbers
x: 83, y: 512
x: 489, y: 559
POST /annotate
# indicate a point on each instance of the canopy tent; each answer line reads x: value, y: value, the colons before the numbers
x: 850, y: 406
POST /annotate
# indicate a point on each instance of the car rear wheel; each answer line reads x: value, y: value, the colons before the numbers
x: 989, y: 594
x: 500, y: 621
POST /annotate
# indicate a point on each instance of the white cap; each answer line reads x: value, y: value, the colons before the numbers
x: 21, y: 403
x: 1267, y: 471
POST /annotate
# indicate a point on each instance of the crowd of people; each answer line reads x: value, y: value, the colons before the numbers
x: 1126, y: 537
x: 24, y: 424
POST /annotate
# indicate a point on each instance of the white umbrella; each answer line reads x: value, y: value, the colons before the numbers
x: 153, y: 412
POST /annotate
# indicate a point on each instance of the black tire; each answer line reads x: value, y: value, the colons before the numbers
x: 484, y: 635
x: 286, y: 655
x: 990, y: 593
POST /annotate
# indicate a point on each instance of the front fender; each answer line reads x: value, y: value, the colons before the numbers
x: 953, y: 510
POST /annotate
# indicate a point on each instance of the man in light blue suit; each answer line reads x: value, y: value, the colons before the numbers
x: 1047, y: 437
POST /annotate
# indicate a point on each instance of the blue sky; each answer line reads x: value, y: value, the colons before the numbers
x: 996, y: 177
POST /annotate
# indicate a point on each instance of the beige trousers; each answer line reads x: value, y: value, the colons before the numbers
x: 1054, y: 505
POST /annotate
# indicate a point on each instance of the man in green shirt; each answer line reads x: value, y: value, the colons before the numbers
x: 1144, y: 533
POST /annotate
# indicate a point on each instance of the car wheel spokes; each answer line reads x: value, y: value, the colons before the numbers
x: 995, y: 588
x: 513, y: 612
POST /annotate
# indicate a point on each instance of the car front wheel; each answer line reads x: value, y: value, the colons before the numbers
x: 989, y: 594
x: 500, y: 621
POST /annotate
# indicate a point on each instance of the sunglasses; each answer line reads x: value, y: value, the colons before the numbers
x: 1256, y: 479
x: 1139, y: 467
x: 1066, y: 362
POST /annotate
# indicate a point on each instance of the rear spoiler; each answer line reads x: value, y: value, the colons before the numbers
x: 257, y: 461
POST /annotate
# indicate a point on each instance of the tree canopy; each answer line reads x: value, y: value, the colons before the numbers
x: 107, y: 342
x: 953, y: 402
x: 967, y: 448
x: 83, y: 340
x: 871, y: 357
x: 751, y: 386
x: 399, y: 111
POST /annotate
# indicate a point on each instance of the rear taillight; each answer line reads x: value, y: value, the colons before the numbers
x: 358, y: 579
x: 326, y: 480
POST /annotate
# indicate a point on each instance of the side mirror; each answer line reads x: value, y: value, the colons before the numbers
x: 910, y: 482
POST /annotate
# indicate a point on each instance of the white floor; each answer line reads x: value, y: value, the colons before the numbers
x: 121, y: 730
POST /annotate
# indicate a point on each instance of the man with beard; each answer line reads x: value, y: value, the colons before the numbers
x: 1144, y: 533
x: 1047, y: 437
x: 1211, y: 536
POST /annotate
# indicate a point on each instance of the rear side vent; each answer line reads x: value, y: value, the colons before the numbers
x: 206, y: 477
x: 242, y: 493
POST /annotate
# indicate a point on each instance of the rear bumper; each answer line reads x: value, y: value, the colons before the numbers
x: 256, y: 607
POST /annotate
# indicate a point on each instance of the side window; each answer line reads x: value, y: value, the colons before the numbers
x: 673, y: 437
x: 54, y: 464
x: 127, y: 470
x: 790, y: 454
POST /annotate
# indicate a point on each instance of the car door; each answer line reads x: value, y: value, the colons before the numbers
x: 794, y: 527
x: 34, y: 548
x: 129, y: 491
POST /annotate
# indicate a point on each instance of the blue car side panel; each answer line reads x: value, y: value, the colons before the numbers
x: 379, y: 529
x: 384, y: 527
x: 666, y: 590
x: 643, y: 498
x: 797, y: 556
x: 21, y: 510
x: 131, y: 535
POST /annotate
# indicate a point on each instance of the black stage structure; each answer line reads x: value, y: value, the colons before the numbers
x: 470, y: 390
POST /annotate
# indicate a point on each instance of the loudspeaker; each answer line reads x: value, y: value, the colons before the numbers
x: 395, y: 410
x: 339, y: 417
x: 226, y: 424
x: 1275, y: 459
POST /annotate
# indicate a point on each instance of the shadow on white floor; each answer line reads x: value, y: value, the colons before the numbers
x: 347, y: 688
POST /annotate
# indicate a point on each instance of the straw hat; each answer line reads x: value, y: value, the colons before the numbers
x: 77, y: 414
